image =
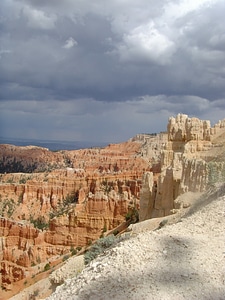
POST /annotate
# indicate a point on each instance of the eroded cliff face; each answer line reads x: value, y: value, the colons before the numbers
x: 31, y: 159
x: 17, y: 250
x: 190, y: 160
x: 46, y: 214
x: 68, y: 199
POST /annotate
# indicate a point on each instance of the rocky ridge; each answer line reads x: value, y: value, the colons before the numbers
x: 105, y: 188
x: 46, y: 216
x: 191, y: 159
x: 170, y: 262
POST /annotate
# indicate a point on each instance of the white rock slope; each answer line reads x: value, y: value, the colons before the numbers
x: 185, y: 260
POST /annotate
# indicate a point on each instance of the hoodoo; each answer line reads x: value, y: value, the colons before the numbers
x: 54, y: 203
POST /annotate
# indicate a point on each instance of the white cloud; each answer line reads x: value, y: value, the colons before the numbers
x: 146, y: 42
x: 70, y: 43
x: 178, y: 9
x: 156, y: 40
x: 186, y: 103
x: 39, y: 19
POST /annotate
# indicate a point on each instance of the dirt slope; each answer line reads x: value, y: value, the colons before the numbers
x: 179, y: 261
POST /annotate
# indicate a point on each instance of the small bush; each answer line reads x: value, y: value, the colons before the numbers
x: 65, y: 257
x: 70, y: 198
x: 8, y: 207
x: 99, y: 247
x: 78, y: 248
x: 22, y: 180
x: 47, y: 267
x: 73, y: 251
x: 89, y: 242
x: 132, y: 216
x: 39, y: 223
x: 104, y: 228
x: 162, y: 223
x: 116, y: 232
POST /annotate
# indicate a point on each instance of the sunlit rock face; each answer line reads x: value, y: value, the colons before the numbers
x: 184, y: 129
x: 62, y: 200
x: 67, y: 199
x: 187, y: 164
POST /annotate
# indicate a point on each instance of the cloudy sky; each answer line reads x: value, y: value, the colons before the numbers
x: 107, y: 70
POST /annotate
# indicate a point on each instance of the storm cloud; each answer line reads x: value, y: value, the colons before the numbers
x: 105, y: 71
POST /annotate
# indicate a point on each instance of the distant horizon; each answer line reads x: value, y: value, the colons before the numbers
x: 42, y: 139
x: 4, y: 139
x: 74, y: 141
x: 52, y: 145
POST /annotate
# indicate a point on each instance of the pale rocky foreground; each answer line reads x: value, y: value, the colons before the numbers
x: 185, y: 260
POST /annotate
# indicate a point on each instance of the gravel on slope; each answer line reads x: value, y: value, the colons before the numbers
x: 185, y: 260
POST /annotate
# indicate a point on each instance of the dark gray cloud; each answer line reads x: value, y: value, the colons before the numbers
x: 87, y: 70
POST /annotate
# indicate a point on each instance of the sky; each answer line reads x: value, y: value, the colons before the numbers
x: 99, y: 70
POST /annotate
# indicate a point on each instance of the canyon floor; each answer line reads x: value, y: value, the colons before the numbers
x: 185, y: 259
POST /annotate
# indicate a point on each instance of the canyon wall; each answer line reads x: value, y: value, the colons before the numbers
x: 189, y: 162
x: 49, y: 214
x: 54, y: 202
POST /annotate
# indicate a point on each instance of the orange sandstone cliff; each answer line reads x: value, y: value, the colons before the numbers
x: 64, y: 201
x: 53, y: 203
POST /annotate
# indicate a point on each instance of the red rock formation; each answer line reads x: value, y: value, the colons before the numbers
x: 85, y: 192
x: 78, y: 202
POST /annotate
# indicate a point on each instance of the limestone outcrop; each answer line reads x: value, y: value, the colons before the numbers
x: 185, y: 129
x: 189, y: 162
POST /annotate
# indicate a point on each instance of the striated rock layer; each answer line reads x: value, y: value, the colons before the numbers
x: 53, y: 203
x: 192, y: 158
x: 48, y: 214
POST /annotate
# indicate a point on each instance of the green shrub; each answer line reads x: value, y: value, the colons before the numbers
x: 116, y: 232
x: 65, y: 257
x: 39, y: 223
x: 104, y: 228
x: 132, y: 216
x: 99, y: 247
x: 70, y: 198
x: 216, y: 172
x: 8, y: 206
x: 89, y: 242
x: 47, y: 267
x: 73, y: 251
x: 22, y: 180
